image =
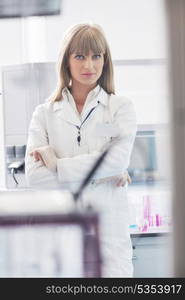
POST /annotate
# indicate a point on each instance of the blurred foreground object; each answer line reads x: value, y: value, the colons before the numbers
x: 44, y: 234
x: 176, y: 36
x: 26, y: 8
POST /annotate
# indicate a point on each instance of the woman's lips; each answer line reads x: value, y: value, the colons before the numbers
x: 88, y: 74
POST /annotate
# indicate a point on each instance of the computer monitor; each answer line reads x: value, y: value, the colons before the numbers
x: 143, y: 162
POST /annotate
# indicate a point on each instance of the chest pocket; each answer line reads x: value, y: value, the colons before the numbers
x: 105, y: 130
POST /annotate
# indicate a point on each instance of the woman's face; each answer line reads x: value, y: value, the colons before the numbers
x: 86, y: 70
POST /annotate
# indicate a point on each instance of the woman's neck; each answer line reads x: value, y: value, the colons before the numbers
x: 80, y: 92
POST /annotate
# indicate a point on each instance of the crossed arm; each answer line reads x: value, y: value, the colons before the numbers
x: 43, y: 166
x: 48, y: 158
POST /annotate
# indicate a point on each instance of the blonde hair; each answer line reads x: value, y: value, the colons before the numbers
x: 82, y: 38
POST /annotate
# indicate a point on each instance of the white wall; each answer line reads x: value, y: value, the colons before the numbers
x: 11, y: 41
x: 134, y: 29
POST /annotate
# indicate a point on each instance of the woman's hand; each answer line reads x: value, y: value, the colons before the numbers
x: 121, y: 180
x: 37, y: 156
x: 46, y: 155
x: 118, y: 181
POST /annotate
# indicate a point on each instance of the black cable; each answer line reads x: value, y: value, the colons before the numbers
x: 13, y: 174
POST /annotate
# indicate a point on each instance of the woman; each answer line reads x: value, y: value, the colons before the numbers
x: 69, y: 132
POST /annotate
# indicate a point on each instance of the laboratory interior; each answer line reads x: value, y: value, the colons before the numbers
x: 47, y: 232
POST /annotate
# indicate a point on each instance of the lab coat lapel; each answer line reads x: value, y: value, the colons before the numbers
x: 100, y: 98
x: 88, y: 108
x: 65, y: 111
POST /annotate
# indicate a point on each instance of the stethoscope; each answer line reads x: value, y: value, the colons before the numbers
x: 79, y: 127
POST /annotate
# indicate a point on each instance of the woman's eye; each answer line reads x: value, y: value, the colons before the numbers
x: 80, y: 57
x: 97, y: 56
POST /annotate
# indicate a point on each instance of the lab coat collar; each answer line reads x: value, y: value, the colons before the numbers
x: 91, y: 95
x: 103, y: 97
x: 97, y: 94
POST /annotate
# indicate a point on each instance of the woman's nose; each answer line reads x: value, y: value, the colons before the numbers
x: 88, y: 63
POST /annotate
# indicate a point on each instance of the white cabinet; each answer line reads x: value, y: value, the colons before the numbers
x: 23, y: 88
x: 152, y: 255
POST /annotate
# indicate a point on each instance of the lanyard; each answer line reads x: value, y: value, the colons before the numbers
x: 79, y: 127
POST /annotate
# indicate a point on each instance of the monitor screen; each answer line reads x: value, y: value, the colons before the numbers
x: 143, y: 158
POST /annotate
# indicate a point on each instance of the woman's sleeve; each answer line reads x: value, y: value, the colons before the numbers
x: 117, y: 160
x: 37, y: 174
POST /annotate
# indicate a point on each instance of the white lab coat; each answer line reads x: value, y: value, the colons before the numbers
x: 55, y: 124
